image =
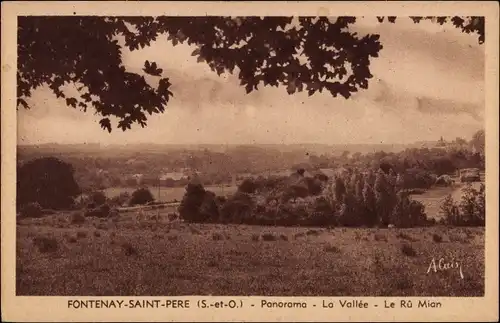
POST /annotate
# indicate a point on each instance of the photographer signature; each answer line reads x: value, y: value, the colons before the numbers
x: 443, y: 265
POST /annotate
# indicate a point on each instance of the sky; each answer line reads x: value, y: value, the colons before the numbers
x: 428, y: 82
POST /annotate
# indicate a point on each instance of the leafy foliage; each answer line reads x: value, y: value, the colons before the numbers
x: 312, y: 54
x: 47, y: 181
x: 470, y: 211
x: 98, y: 198
x: 141, y: 196
x: 198, y: 205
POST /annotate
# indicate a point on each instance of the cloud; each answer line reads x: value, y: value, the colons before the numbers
x: 429, y: 82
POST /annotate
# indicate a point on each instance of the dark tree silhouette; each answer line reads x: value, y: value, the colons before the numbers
x: 84, y: 50
x: 141, y: 196
x: 47, y: 181
x: 478, y: 141
x: 248, y: 186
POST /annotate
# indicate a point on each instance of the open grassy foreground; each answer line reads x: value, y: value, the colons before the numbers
x: 102, y: 257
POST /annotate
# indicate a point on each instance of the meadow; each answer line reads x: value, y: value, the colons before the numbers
x: 128, y: 256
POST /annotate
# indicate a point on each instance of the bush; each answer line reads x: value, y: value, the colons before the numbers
x: 296, y: 191
x: 77, y: 218
x: 198, y: 205
x: 71, y: 239
x: 417, y: 178
x: 220, y: 200
x: 45, y: 244
x: 248, y: 186
x: 450, y: 212
x: 472, y: 206
x: 331, y: 248
x: 408, y: 250
x: 323, y: 214
x: 437, y: 238
x: 217, y: 236
x: 471, y: 210
x: 120, y: 200
x: 141, y: 196
x: 47, y: 181
x: 98, y: 198
x: 31, y: 210
x: 129, y: 249
x: 408, y: 213
x: 269, y: 237
x: 238, y: 209
x: 315, y: 186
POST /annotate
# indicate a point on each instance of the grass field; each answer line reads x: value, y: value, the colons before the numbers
x: 169, y: 194
x: 103, y: 257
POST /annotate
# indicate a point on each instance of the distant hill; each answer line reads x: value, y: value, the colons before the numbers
x: 305, y: 148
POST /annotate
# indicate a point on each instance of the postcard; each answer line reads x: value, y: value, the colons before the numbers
x: 249, y: 161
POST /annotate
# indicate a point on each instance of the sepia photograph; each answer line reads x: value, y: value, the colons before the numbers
x: 274, y: 156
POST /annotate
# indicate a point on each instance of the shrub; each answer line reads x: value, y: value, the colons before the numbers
x: 172, y: 238
x: 269, y: 237
x: 77, y: 218
x: 408, y: 250
x: 98, y: 198
x: 298, y: 235
x: 296, y: 191
x: 129, y: 249
x: 48, y: 181
x: 212, y: 263
x: 248, y: 186
x: 45, y: 244
x: 408, y: 213
x: 315, y: 186
x: 415, y: 178
x: 141, y: 196
x: 331, y: 248
x: 220, y: 200
x: 81, y: 234
x: 217, y: 236
x: 122, y: 199
x: 472, y: 205
x: 323, y: 213
x: 31, y: 210
x: 198, y: 205
x: 437, y: 238
x: 238, y: 209
x: 450, y: 212
x: 470, y: 211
